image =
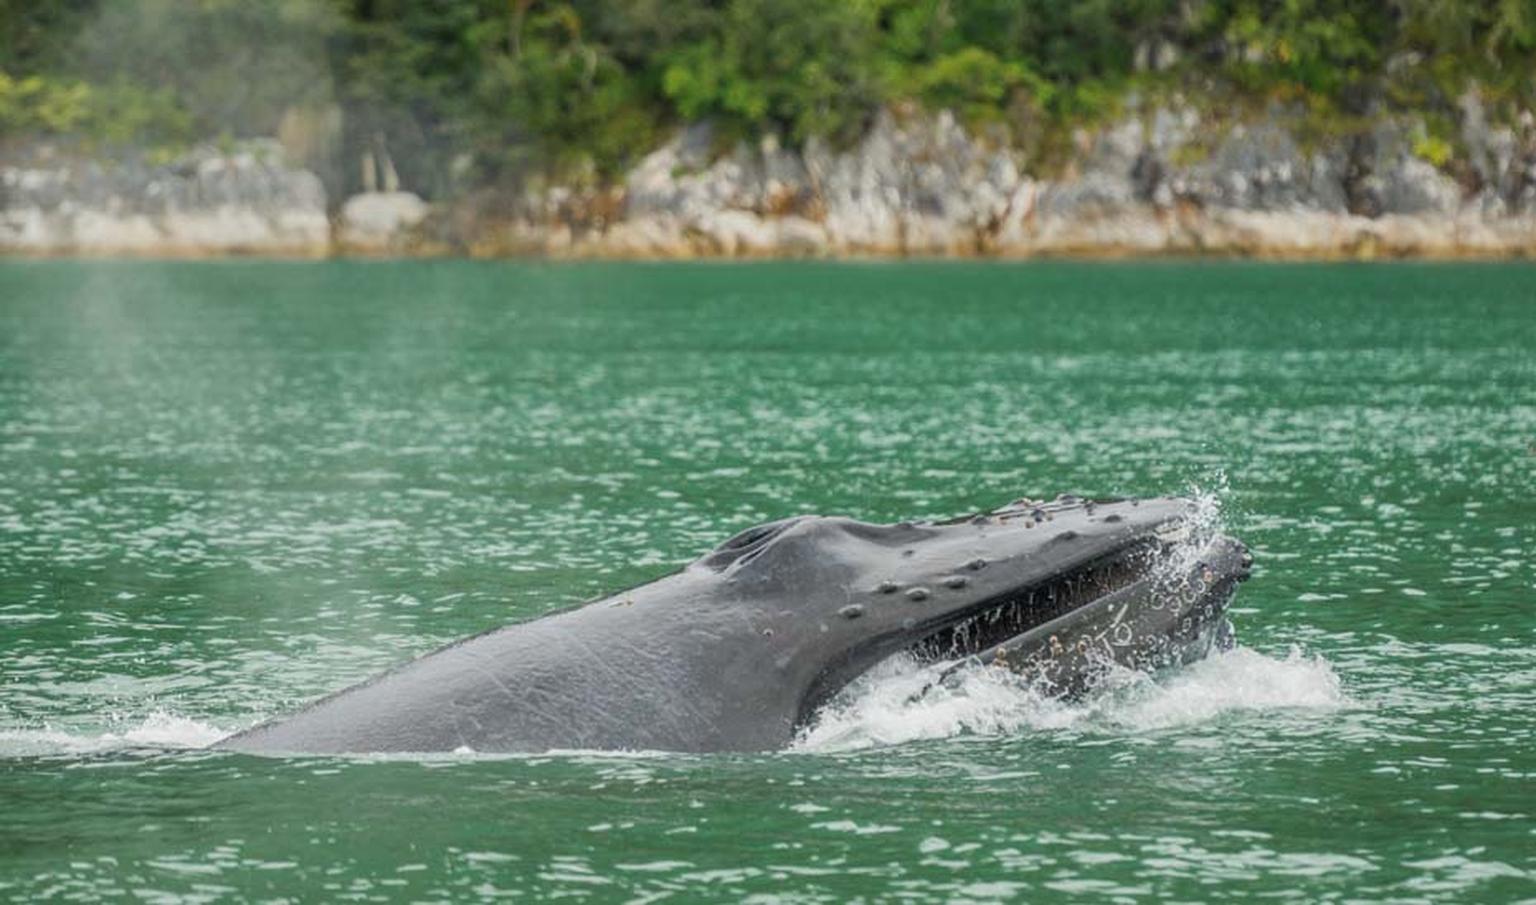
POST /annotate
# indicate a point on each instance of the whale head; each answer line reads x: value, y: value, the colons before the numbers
x: 834, y: 596
x: 740, y: 649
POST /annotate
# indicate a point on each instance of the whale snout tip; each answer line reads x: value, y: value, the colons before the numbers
x: 1244, y: 560
x: 1226, y: 557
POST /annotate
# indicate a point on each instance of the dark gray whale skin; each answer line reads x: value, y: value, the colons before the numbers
x: 737, y: 650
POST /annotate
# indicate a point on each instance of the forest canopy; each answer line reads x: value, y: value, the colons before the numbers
x: 487, y: 92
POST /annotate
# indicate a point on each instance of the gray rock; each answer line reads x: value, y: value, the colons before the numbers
x: 915, y: 183
x: 1261, y: 168
x: 379, y: 221
x: 1394, y: 181
x: 921, y: 184
x: 918, y: 184
x: 248, y: 200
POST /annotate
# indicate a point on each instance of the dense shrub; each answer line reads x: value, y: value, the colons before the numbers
x: 459, y: 93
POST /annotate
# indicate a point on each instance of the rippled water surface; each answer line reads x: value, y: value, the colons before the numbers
x: 228, y: 488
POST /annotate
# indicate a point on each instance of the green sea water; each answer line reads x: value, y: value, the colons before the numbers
x: 227, y: 488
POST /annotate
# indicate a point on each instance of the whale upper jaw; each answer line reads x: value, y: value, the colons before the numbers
x: 998, y: 587
x: 1163, y: 612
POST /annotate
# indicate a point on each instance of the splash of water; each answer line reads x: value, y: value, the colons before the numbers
x: 885, y: 707
x: 1204, y: 522
x: 901, y: 700
x: 157, y: 730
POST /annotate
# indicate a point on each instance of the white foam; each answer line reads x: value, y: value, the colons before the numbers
x: 889, y: 704
x: 884, y: 706
x: 157, y: 730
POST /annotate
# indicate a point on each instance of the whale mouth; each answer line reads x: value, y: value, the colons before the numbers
x: 1015, y: 612
x: 994, y: 621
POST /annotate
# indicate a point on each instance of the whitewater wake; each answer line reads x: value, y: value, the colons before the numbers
x: 887, y: 706
x: 157, y: 730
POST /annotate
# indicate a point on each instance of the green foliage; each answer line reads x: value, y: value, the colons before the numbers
x: 799, y: 67
x: 1434, y: 149
x: 976, y: 84
x: 33, y: 103
x: 113, y: 114
x: 33, y: 34
x: 1328, y: 48
x: 459, y: 93
x: 558, y: 100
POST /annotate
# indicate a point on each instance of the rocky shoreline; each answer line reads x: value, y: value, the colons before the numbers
x: 1163, y: 181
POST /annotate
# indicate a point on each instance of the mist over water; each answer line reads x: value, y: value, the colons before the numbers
x: 229, y: 488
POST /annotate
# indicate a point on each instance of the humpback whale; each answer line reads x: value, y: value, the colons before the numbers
x: 737, y: 650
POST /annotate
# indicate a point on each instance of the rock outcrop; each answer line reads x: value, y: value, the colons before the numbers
x: 249, y: 200
x: 1164, y: 180
x: 380, y: 222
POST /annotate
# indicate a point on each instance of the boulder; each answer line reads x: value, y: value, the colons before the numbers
x: 208, y: 201
x: 380, y: 221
